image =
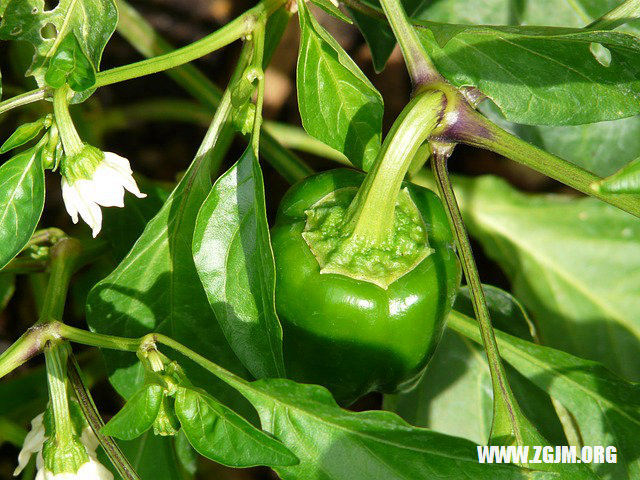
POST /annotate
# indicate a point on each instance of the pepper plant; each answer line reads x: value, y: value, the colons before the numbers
x: 248, y: 343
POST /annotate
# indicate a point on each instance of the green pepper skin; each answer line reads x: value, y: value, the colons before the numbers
x: 349, y: 335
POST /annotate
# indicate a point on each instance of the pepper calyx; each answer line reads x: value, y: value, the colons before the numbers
x: 339, y: 251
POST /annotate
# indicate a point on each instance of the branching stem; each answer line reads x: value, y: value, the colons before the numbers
x: 474, y: 129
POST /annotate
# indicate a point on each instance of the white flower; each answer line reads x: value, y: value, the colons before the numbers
x: 91, y: 470
x: 34, y: 443
x: 96, y: 182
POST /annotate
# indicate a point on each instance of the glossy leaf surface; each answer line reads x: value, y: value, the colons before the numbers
x: 156, y: 287
x: 337, y: 103
x: 626, y: 180
x: 233, y: 257
x: 221, y: 435
x: 563, y: 84
x: 137, y: 415
x: 22, y: 192
x: 605, y: 407
x: 333, y: 443
x: 584, y: 300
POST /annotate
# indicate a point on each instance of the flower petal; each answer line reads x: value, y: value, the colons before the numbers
x: 70, y: 200
x: 32, y: 443
x: 89, y: 440
x: 106, y: 187
x: 89, y: 210
x: 115, y: 161
x: 122, y: 167
x: 93, y: 470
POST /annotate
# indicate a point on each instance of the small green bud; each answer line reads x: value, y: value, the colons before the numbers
x: 244, y: 118
x: 166, y: 423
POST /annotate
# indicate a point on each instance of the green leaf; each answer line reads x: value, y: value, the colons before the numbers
x: 378, y: 35
x: 605, y: 407
x: 491, y: 59
x: 186, y: 454
x: 23, y: 134
x: 220, y: 434
x: 153, y: 457
x: 574, y: 13
x: 455, y: 397
x: 331, y: 9
x: 137, y: 415
x: 574, y: 263
x: 22, y: 193
x: 377, y: 32
x: 74, y: 33
x: 123, y: 226
x: 626, y: 180
x: 334, y: 444
x: 601, y: 148
x: 507, y: 313
x: 69, y: 65
x: 233, y: 257
x: 337, y: 103
x: 156, y: 289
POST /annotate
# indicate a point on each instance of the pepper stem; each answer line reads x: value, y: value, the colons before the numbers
x: 371, y: 214
x: 71, y: 141
x: 56, y: 354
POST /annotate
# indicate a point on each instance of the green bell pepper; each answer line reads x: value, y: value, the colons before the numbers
x: 350, y: 334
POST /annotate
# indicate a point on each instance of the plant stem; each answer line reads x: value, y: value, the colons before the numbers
x: 71, y: 141
x: 21, y: 266
x: 22, y: 99
x: 371, y: 214
x: 504, y: 403
x: 63, y: 257
x: 56, y: 353
x: 133, y: 344
x: 234, y: 30
x: 623, y: 13
x: 420, y: 66
x: 118, y: 459
x: 141, y: 36
x: 258, y: 55
x: 476, y: 130
x: 363, y: 8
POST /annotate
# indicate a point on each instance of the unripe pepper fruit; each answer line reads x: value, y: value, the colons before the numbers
x: 350, y: 335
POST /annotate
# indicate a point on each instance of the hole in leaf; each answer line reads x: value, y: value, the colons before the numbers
x: 49, y: 31
x: 34, y: 10
x: 601, y: 53
x: 50, y: 5
x: 17, y: 30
